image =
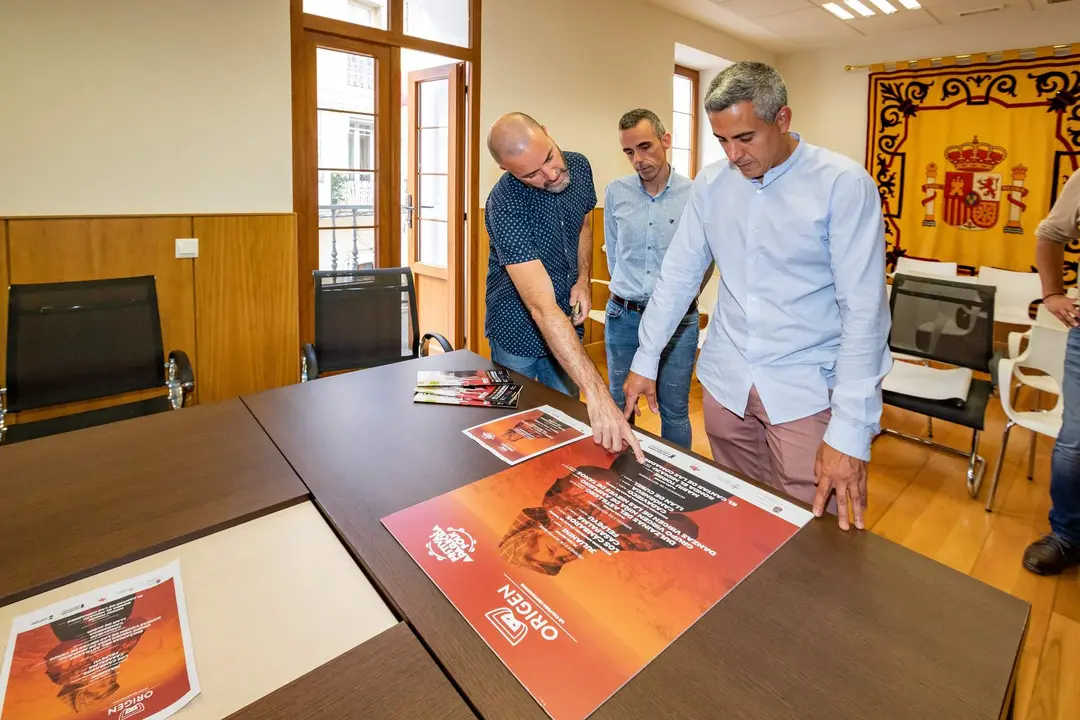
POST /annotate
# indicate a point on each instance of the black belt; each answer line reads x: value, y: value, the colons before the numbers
x: 640, y: 307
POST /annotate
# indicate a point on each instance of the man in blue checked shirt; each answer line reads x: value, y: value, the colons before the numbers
x: 641, y: 213
x: 798, y: 342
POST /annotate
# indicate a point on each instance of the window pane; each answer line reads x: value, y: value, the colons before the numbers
x: 434, y: 194
x: 342, y: 242
x: 441, y: 20
x: 346, y: 199
x: 684, y: 91
x: 345, y: 81
x: 681, y: 132
x: 346, y: 141
x: 434, y: 103
x: 433, y: 242
x: 680, y: 160
x: 434, y: 151
x: 362, y: 12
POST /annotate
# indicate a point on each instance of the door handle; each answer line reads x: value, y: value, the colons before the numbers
x: 409, y: 208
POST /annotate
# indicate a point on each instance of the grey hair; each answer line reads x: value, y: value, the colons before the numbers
x: 747, y: 81
x: 630, y: 120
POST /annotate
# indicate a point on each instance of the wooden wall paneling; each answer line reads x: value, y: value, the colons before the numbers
x: 67, y: 250
x: 3, y: 302
x: 476, y: 269
x: 305, y: 177
x: 594, y: 332
x: 246, y: 303
x: 479, y: 344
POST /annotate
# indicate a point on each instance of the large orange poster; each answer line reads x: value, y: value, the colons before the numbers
x: 122, y: 652
x: 578, y: 567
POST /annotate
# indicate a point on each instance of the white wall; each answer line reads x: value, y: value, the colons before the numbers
x: 578, y: 65
x: 829, y: 103
x: 144, y: 106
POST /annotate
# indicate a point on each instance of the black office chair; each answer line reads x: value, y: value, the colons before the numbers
x: 76, y: 341
x: 952, y: 323
x: 363, y: 319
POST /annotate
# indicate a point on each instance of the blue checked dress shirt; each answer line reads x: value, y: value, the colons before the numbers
x: 801, y: 311
x: 638, y: 229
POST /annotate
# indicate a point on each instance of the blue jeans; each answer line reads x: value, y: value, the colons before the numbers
x: 673, y: 378
x: 545, y: 370
x: 1065, y: 466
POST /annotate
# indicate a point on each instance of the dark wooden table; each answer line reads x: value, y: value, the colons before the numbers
x: 75, y: 504
x: 389, y: 677
x: 832, y: 626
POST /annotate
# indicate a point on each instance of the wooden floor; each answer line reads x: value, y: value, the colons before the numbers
x: 918, y: 499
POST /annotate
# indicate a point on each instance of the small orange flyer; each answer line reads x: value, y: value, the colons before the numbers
x: 579, y: 567
x: 518, y: 437
x: 122, y: 652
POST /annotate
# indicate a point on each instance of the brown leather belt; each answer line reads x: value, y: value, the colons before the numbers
x: 640, y: 307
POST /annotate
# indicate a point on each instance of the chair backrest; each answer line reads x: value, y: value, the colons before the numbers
x: 925, y: 268
x: 1046, y: 351
x: 944, y: 320
x: 1016, y: 291
x: 76, y: 341
x: 365, y: 318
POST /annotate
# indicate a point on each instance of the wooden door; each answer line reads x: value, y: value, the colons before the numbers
x: 433, y: 200
x: 344, y: 150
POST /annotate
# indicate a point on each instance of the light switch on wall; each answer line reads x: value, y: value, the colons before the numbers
x: 187, y: 247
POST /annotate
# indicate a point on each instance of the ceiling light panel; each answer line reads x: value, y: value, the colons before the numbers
x: 859, y: 7
x: 838, y: 11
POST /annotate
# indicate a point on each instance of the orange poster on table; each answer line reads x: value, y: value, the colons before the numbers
x: 579, y: 567
x: 518, y: 437
x: 122, y: 652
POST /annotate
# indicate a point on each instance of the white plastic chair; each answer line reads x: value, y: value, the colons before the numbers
x: 1015, y: 293
x: 1045, y: 353
x: 599, y: 315
x: 1041, y: 383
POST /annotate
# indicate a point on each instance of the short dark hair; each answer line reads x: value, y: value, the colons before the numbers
x: 630, y: 120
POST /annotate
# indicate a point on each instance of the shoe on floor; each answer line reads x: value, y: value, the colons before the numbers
x: 1051, y: 555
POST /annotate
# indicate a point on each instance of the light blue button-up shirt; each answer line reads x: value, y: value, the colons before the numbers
x: 801, y: 311
x: 638, y: 229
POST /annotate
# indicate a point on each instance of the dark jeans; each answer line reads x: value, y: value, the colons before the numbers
x: 673, y: 378
x: 545, y: 370
x: 1065, y: 468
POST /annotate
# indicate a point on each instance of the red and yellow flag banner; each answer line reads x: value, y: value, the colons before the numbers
x: 968, y: 159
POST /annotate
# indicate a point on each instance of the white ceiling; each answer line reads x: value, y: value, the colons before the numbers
x: 785, y: 26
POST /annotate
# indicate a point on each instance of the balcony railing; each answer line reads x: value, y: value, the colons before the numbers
x: 348, y: 217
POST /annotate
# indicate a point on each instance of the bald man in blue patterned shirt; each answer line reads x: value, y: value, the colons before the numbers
x: 538, y: 292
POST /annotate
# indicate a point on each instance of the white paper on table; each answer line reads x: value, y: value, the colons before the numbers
x: 108, y: 602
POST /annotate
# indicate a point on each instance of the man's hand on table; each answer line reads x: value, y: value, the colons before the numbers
x: 609, y: 426
x: 635, y: 387
x: 845, y: 474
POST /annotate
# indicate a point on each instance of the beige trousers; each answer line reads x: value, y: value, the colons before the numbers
x: 781, y: 456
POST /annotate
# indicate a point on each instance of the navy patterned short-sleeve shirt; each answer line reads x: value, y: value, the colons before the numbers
x: 525, y: 224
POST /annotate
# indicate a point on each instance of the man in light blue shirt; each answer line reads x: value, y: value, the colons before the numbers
x: 641, y: 212
x: 798, y: 342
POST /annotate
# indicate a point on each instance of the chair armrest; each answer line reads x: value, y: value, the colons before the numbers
x: 996, y: 365
x: 1014, y: 342
x: 1005, y: 368
x: 443, y: 342
x: 309, y: 363
x: 598, y: 281
x: 181, y: 379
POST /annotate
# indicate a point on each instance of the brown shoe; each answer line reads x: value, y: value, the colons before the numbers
x: 1051, y: 555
